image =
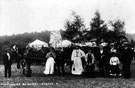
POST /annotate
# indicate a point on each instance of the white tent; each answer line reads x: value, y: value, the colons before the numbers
x: 38, y: 44
x: 104, y: 44
x: 79, y: 44
x: 91, y: 44
x: 64, y: 43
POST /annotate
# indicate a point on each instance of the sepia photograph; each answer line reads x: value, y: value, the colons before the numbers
x: 67, y: 44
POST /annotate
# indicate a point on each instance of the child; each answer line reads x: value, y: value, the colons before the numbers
x: 90, y: 59
x: 114, y: 64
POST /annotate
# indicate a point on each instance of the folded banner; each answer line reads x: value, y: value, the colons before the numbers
x: 55, y: 38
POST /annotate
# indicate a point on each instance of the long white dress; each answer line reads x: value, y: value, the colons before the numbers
x: 77, y: 67
x: 49, y: 66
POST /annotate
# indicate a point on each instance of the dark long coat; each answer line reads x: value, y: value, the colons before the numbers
x: 7, y: 62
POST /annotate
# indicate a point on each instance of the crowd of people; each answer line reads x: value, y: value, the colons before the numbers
x: 111, y: 60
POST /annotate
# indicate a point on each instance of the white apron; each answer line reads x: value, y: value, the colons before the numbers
x: 77, y: 67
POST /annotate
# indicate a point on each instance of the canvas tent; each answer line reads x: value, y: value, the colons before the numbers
x: 64, y: 43
x: 91, y: 44
x: 104, y: 44
x: 93, y: 40
x: 38, y: 44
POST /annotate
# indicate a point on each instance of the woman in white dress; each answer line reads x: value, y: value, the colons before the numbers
x: 77, y: 67
x: 49, y: 66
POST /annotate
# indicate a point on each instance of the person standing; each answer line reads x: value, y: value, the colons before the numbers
x: 76, y: 56
x: 114, y: 63
x: 7, y: 59
x: 103, y: 61
x: 127, y: 56
x: 49, y: 66
x: 90, y: 59
x: 60, y: 61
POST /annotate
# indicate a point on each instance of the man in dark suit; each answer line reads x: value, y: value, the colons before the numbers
x: 103, y: 61
x: 60, y: 61
x: 127, y: 56
x: 7, y: 62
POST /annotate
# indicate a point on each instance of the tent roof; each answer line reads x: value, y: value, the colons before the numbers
x: 38, y: 43
x: 65, y: 43
x: 93, y: 40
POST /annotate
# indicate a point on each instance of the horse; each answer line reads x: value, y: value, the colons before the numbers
x: 18, y: 55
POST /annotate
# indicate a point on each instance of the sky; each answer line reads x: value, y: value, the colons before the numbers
x: 19, y: 16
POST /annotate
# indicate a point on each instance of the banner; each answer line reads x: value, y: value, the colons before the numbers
x: 55, y: 38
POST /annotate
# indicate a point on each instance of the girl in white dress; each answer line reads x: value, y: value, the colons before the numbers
x: 114, y: 63
x: 49, y: 66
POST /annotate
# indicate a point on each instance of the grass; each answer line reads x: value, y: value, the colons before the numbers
x: 39, y: 80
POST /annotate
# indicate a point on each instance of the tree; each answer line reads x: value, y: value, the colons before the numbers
x: 98, y: 27
x: 118, y: 32
x: 118, y: 27
x: 74, y: 29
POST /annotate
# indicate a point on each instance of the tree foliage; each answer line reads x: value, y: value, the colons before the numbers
x: 117, y: 32
x: 74, y: 29
x: 98, y: 27
x: 118, y: 27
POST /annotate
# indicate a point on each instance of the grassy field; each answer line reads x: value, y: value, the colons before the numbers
x: 39, y: 80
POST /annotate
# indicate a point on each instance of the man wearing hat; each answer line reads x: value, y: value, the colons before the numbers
x: 127, y: 56
x: 7, y: 62
x: 60, y: 61
x: 103, y: 61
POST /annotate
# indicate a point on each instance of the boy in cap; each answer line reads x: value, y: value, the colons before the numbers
x: 90, y: 59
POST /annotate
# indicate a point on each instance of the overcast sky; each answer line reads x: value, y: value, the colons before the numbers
x: 19, y: 16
